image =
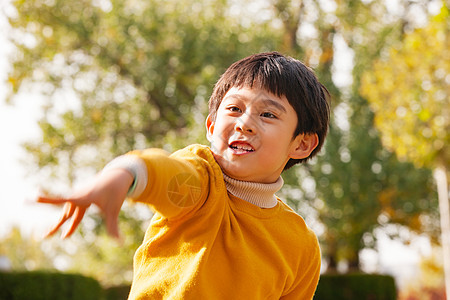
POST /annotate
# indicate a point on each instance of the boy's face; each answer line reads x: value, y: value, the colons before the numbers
x: 252, y: 135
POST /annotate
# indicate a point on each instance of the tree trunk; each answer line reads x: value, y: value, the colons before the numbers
x: 332, y: 264
x: 353, y: 264
x: 440, y: 175
x: 331, y: 254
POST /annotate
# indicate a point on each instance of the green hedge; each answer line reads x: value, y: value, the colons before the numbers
x: 356, y: 286
x: 39, y: 285
x: 47, y: 285
x: 117, y: 292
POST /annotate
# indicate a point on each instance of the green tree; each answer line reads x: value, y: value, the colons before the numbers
x: 137, y: 74
x: 356, y: 185
x: 409, y: 90
x: 26, y: 253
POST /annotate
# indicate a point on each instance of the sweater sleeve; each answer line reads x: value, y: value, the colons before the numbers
x: 136, y: 167
x: 175, y: 184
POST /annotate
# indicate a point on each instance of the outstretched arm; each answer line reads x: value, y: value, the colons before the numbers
x: 108, y: 192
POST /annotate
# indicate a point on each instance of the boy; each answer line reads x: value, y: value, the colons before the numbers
x: 218, y: 231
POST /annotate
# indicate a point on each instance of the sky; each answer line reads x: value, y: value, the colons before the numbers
x: 19, y: 187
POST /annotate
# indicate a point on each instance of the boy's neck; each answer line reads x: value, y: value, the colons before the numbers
x: 259, y: 194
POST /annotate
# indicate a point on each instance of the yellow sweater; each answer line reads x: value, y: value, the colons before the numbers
x: 204, y: 243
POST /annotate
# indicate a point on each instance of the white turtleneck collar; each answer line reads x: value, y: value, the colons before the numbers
x: 259, y: 194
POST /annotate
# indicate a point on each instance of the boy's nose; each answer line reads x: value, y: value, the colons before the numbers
x: 245, y: 124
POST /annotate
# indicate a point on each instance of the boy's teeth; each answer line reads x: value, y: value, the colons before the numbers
x: 242, y: 147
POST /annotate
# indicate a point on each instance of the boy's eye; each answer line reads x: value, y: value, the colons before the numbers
x: 268, y: 115
x: 234, y: 109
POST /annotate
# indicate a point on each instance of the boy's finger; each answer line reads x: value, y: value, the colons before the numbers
x: 112, y: 227
x: 50, y: 200
x: 59, y: 200
x: 77, y: 217
x: 69, y: 209
x: 52, y: 231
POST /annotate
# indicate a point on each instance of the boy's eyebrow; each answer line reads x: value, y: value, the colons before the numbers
x: 271, y: 102
x: 266, y: 101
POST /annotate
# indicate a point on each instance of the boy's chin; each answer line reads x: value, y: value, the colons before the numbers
x: 239, y: 173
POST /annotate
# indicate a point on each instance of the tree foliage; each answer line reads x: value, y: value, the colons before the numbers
x: 25, y: 253
x: 409, y: 90
x: 137, y: 74
x: 357, y: 184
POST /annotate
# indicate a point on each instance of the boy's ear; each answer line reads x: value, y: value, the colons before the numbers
x: 304, y: 144
x: 209, y: 128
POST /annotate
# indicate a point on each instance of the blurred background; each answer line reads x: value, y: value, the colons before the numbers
x: 84, y: 81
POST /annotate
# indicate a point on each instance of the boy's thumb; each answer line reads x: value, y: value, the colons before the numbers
x: 112, y: 227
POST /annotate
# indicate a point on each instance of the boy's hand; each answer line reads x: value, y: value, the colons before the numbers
x: 108, y: 192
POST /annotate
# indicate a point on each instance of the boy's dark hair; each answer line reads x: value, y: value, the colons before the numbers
x: 280, y: 76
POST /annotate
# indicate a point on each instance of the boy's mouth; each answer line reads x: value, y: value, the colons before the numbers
x: 241, y: 147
